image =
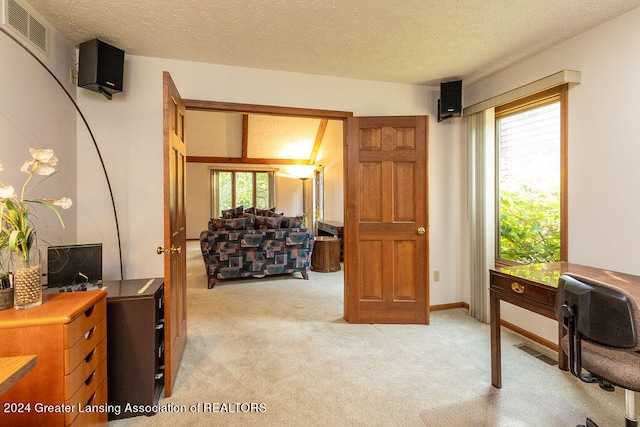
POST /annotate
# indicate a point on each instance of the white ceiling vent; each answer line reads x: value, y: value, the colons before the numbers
x: 25, y: 21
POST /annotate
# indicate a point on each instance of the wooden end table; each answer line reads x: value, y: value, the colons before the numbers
x: 326, y: 254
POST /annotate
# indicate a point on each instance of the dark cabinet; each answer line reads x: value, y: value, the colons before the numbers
x: 135, y: 343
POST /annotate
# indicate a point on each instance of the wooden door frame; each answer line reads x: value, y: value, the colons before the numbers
x: 272, y: 110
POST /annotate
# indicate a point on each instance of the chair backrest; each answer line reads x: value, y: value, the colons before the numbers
x: 604, y: 313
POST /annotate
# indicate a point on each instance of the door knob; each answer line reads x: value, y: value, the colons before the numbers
x: 160, y: 250
x: 421, y: 230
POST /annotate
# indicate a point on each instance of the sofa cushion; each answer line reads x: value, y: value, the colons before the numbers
x: 291, y: 221
x: 250, y: 221
x: 265, y: 222
x: 235, y: 224
x: 217, y: 224
x: 233, y: 213
x: 266, y: 212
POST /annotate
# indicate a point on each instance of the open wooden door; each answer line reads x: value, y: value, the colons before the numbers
x: 386, y: 232
x: 175, y: 260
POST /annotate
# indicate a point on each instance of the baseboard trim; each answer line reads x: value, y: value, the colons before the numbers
x: 533, y: 337
x: 449, y: 306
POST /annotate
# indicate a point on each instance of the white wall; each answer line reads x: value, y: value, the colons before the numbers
x: 330, y: 156
x: 198, y: 201
x: 128, y: 130
x: 604, y: 146
x: 36, y: 112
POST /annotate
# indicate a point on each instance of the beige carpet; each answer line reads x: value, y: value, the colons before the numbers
x: 508, y: 409
x: 282, y: 345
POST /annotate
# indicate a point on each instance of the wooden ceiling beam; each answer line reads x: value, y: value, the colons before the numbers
x: 245, y: 136
x: 239, y: 160
x: 322, y: 127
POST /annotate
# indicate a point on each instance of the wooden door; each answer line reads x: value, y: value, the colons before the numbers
x: 175, y: 261
x: 386, y: 232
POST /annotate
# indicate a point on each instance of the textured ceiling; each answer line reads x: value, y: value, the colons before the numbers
x: 406, y: 41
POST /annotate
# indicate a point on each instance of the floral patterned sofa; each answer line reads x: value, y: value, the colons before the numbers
x: 255, y: 246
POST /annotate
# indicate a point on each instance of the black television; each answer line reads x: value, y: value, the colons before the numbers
x: 74, y: 265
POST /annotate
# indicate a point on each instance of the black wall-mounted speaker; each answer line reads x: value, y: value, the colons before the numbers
x: 450, y: 103
x: 100, y: 67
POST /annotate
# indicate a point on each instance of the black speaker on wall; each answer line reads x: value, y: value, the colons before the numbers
x: 100, y: 67
x: 450, y: 102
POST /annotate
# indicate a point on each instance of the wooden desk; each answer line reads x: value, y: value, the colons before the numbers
x: 14, y: 368
x: 534, y: 287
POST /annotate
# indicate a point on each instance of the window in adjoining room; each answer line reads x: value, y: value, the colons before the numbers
x: 531, y: 179
x: 249, y: 188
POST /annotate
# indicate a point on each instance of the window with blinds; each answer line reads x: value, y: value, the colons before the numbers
x: 530, y: 180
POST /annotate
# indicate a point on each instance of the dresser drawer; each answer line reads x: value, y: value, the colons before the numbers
x: 88, y: 392
x: 80, y: 350
x: 83, y: 371
x: 98, y: 400
x: 81, y: 325
x: 523, y: 289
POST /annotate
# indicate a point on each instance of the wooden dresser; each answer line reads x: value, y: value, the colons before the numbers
x: 68, y: 386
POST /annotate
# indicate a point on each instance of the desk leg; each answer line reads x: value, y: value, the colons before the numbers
x: 496, y: 362
x: 563, y: 360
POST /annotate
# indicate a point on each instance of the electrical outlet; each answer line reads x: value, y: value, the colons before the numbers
x: 436, y: 275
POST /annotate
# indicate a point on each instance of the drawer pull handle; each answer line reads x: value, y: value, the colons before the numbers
x: 517, y: 288
x: 89, y: 311
x: 87, y: 336
x: 90, y: 400
x: 90, y: 378
x: 90, y: 356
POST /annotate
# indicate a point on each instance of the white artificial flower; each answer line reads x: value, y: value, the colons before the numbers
x: 7, y: 192
x: 43, y: 161
x: 64, y: 203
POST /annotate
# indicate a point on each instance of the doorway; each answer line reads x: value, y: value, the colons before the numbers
x: 402, y: 253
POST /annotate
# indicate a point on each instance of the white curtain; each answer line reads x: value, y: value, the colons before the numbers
x: 481, y: 160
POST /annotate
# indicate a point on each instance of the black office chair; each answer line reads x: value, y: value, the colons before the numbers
x: 602, y: 324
